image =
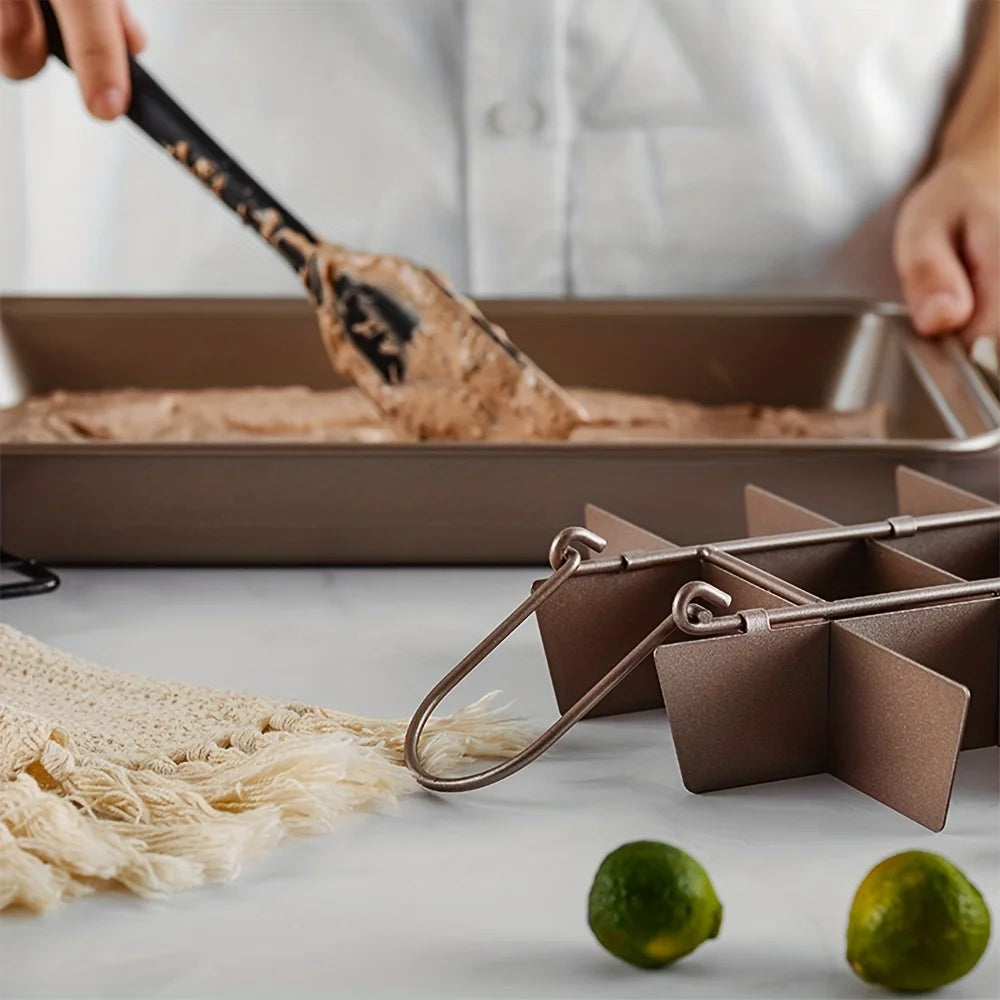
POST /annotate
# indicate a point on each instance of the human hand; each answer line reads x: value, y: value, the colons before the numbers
x: 947, y: 248
x: 99, y: 35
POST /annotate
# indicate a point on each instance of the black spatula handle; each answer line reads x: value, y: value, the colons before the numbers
x: 154, y: 111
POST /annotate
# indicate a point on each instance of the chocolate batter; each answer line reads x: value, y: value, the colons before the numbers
x: 296, y: 414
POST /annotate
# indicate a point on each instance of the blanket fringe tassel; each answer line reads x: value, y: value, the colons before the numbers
x: 70, y: 825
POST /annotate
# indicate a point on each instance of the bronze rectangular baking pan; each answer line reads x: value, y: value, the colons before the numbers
x: 479, y: 503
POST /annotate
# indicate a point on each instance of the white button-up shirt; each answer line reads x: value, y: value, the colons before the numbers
x: 524, y: 147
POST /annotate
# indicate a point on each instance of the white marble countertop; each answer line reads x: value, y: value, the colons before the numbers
x: 474, y: 895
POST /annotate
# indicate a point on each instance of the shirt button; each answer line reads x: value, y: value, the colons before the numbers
x: 518, y: 116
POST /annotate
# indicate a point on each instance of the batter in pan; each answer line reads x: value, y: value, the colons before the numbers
x: 297, y: 414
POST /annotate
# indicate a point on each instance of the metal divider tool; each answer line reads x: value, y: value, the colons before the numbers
x: 880, y: 681
x: 427, y: 357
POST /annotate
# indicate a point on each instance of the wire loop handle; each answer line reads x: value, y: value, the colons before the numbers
x: 565, y: 558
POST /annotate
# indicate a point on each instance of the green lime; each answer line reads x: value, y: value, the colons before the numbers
x: 651, y: 904
x: 916, y: 924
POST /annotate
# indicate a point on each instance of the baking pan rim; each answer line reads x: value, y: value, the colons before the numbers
x: 975, y: 444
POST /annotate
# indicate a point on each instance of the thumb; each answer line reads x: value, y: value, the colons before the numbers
x: 936, y: 285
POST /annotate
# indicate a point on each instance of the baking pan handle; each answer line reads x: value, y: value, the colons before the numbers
x: 565, y: 558
x: 38, y: 579
x: 955, y: 385
x: 156, y: 113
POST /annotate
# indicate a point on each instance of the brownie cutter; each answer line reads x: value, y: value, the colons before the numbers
x: 869, y: 651
x: 430, y: 360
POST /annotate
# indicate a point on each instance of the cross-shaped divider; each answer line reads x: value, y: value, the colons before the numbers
x: 883, y: 702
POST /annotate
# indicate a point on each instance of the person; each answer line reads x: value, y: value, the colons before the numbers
x: 536, y: 147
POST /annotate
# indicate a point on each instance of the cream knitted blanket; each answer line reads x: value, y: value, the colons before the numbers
x: 110, y: 778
